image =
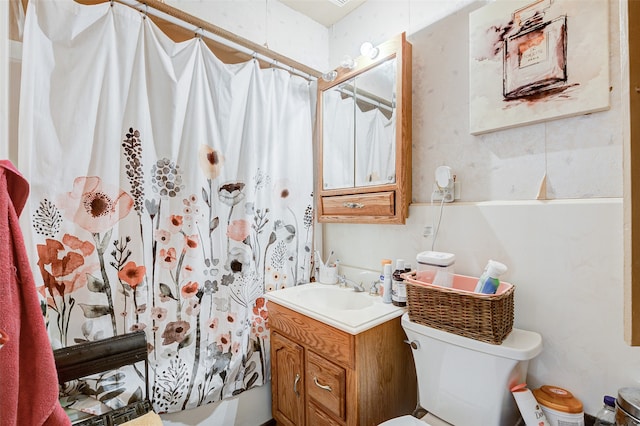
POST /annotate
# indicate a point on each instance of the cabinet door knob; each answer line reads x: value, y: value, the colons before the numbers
x: 353, y: 205
x: 321, y: 386
x: 295, y: 385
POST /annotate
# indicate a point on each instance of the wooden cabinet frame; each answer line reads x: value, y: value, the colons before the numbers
x: 388, y: 203
x: 632, y: 180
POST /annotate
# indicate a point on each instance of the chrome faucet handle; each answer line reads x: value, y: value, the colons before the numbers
x: 374, y: 290
x: 343, y: 281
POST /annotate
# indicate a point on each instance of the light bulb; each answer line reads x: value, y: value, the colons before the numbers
x: 367, y: 49
x: 348, y: 62
x: 330, y: 75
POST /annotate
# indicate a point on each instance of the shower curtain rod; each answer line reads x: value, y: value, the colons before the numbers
x: 205, y: 29
x: 365, y: 96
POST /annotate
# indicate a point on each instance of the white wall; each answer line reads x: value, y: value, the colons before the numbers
x: 565, y: 259
x: 266, y: 22
x: 582, y: 156
x: 566, y: 255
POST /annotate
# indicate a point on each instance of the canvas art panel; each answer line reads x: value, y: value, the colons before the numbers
x: 537, y: 60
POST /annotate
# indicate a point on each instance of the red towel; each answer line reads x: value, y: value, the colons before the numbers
x: 28, y: 378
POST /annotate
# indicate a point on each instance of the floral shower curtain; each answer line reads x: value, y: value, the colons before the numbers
x: 169, y: 192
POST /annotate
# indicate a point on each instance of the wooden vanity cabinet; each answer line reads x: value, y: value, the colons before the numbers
x: 322, y: 376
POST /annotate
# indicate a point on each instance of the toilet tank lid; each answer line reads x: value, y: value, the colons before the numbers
x: 520, y: 345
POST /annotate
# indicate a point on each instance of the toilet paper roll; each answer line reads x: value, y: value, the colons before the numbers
x: 531, y: 412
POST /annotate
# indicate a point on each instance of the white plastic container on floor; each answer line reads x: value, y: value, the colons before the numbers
x: 559, y: 405
x: 557, y: 418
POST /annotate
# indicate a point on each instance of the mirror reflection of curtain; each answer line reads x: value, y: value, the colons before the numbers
x: 375, y: 148
x: 169, y: 191
x: 369, y: 159
x: 337, y: 139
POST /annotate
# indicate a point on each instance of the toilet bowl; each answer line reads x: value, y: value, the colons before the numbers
x: 466, y: 382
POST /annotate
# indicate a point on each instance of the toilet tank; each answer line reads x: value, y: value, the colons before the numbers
x: 467, y: 382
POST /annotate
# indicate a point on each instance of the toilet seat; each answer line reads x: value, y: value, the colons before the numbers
x: 427, y: 420
x: 404, y: 421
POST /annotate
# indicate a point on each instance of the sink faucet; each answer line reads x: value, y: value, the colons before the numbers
x: 346, y: 282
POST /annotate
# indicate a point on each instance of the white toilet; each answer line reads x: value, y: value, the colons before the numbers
x: 466, y: 382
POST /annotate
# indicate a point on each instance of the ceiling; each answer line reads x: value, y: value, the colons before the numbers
x: 326, y: 12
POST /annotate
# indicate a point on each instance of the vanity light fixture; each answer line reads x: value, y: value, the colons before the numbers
x: 367, y: 49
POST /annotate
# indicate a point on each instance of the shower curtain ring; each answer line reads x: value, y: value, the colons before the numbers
x: 199, y: 33
x: 146, y: 11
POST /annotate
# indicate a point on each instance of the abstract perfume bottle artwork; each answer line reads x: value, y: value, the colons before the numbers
x: 535, y: 54
x: 537, y: 60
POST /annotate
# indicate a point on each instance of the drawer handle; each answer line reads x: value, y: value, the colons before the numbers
x: 295, y: 385
x: 353, y: 205
x: 325, y: 387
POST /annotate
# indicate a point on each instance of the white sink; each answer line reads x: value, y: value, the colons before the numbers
x: 343, y: 308
x: 334, y: 298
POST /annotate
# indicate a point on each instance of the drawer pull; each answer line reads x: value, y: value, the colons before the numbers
x: 353, y: 205
x: 325, y: 387
x: 295, y: 385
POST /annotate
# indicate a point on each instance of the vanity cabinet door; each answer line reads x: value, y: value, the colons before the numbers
x: 317, y: 417
x: 287, y: 384
x: 326, y: 384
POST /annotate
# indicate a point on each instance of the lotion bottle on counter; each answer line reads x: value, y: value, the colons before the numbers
x: 398, y: 286
x: 386, y: 284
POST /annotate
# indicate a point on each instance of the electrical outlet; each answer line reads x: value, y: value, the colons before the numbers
x: 428, y: 231
x: 456, y: 190
x: 443, y: 193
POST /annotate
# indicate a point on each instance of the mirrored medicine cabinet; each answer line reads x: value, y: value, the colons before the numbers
x: 364, y: 122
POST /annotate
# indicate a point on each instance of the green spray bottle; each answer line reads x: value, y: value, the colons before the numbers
x: 489, y: 282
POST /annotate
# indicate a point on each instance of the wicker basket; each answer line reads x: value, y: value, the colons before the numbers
x: 485, y: 317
